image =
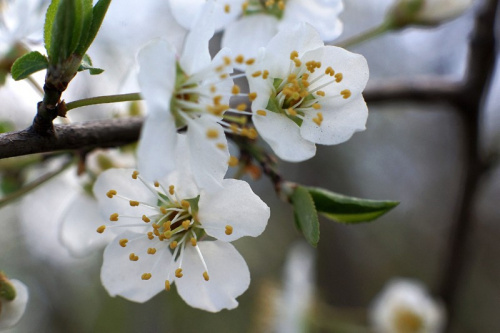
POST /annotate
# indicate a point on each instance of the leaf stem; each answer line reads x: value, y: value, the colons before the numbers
x: 103, y: 100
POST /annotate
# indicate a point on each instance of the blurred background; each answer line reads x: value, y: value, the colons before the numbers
x: 410, y: 152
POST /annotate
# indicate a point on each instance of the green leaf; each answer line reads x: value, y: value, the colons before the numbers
x: 98, y: 13
x: 306, y: 216
x: 63, y: 28
x: 28, y: 64
x: 87, y: 12
x: 87, y: 65
x: 345, y: 209
x: 49, y: 22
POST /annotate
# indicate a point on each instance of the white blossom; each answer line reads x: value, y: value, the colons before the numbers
x: 177, y: 231
x: 404, y: 306
x: 435, y: 11
x: 305, y: 93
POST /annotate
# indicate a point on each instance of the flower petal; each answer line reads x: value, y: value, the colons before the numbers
x: 79, y: 223
x: 283, y: 135
x: 228, y: 272
x: 339, y: 123
x: 234, y: 205
x: 246, y: 35
x: 121, y: 276
x: 12, y: 311
x: 122, y: 182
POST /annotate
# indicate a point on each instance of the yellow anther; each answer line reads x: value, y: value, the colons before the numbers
x: 244, y: 5
x: 186, y: 224
x: 178, y: 273
x: 227, y: 60
x: 329, y: 71
x: 155, y: 226
x: 305, y: 76
x: 291, y: 112
x: 168, y: 234
x: 339, y: 77
x: 292, y: 77
x: 150, y: 235
x: 146, y: 276
x: 320, y: 93
x: 319, y: 119
x: 294, y: 54
x: 173, y: 245
x: 316, y: 106
x: 123, y: 242
x: 111, y: 193
x: 281, y: 5
x: 229, y: 230
x: 156, y: 232
x: 157, y: 184
x: 205, y: 276
x: 151, y: 250
x: 252, y: 96
x: 261, y: 112
x: 239, y: 59
x: 134, y: 203
x: 265, y: 74
x: 252, y: 134
x: 212, y: 133
x: 236, y: 89
x: 185, y: 204
x: 256, y: 74
x: 221, y: 146
x: 297, y: 62
x: 135, y: 174
x: 244, y: 132
x: 101, y: 229
x: 217, y: 99
x: 269, y: 3
x: 171, y: 190
x: 219, y: 68
x: 133, y: 257
x: 145, y: 219
x: 167, y: 225
x: 241, y: 107
x: 346, y: 93
x: 250, y: 61
x: 233, y: 161
x: 213, y: 89
x: 234, y: 128
x: 163, y: 210
x: 167, y: 285
x: 113, y: 217
x: 223, y: 76
x: 193, y: 241
x: 227, y: 8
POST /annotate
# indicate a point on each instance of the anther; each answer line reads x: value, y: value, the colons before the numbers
x: 167, y: 285
x: 186, y: 224
x: 133, y: 257
x: 227, y: 8
x: 111, y: 193
x: 166, y: 225
x: 236, y: 90
x: 185, y: 204
x: 244, y: 5
x: 221, y: 146
x: 256, y: 74
x: 171, y: 189
x: 250, y: 61
x: 101, y: 229
x: 294, y: 54
x: 329, y: 71
x: 227, y: 60
x: 281, y: 5
x: 265, y: 74
x: 150, y: 235
x: 178, y: 273
x: 241, y: 107
x: 205, y: 276
x: 239, y: 59
x: 135, y: 174
x: 320, y: 93
x: 163, y: 210
x: 229, y: 230
x: 123, y: 242
x: 157, y: 184
x: 252, y: 96
x: 151, y: 250
x: 338, y: 77
x: 168, y: 234
x: 292, y: 112
x: 145, y: 219
x: 346, y: 93
x: 146, y: 276
x: 212, y: 133
x: 213, y: 89
x: 316, y: 106
x: 261, y: 112
x: 134, y: 203
x: 193, y: 241
x: 173, y: 245
x: 297, y: 62
x: 233, y: 161
x: 113, y: 217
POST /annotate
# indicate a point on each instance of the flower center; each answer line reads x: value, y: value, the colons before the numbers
x: 407, y: 321
x: 301, y: 91
x: 275, y: 8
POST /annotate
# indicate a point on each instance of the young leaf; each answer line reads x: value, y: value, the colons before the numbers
x: 49, y: 22
x: 98, y: 13
x: 86, y: 26
x: 87, y: 65
x: 28, y: 64
x: 63, y: 28
x: 306, y: 216
x: 345, y: 209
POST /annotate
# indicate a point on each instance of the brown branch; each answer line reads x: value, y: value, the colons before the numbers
x: 88, y: 135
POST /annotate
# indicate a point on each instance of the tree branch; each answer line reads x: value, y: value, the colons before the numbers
x: 88, y: 135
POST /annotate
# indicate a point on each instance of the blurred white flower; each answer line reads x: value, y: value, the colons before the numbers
x: 306, y: 93
x: 166, y: 224
x: 404, y: 306
x: 426, y: 12
x: 12, y: 309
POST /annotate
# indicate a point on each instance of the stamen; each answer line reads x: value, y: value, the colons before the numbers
x: 229, y: 230
x: 241, y: 107
x: 239, y: 59
x: 145, y: 219
x: 134, y: 203
x: 250, y: 61
x: 265, y: 74
x: 193, y: 241
x: 186, y: 224
x: 185, y: 204
x: 133, y: 257
x: 163, y: 210
x: 329, y: 71
x: 320, y: 93
x: 292, y: 112
x: 294, y: 54
x: 173, y: 245
x: 156, y: 184
x: 205, y: 276
x: 233, y: 161
x: 123, y: 242
x: 261, y: 112
x: 316, y: 106
x: 150, y: 235
x: 346, y: 93
x: 339, y: 77
x: 146, y: 276
x: 281, y: 5
x: 236, y: 89
x: 111, y: 193
x: 212, y: 133
x: 227, y: 8
x: 221, y: 146
x: 151, y: 250
x: 227, y: 60
x: 113, y: 217
x: 135, y: 174
x: 167, y: 285
x: 171, y: 189
x: 256, y: 74
x: 252, y: 96
x: 101, y: 229
x: 178, y: 273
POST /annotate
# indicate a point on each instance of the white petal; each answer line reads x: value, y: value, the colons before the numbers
x: 121, y: 181
x: 301, y: 38
x: 79, y: 223
x: 121, y: 276
x: 246, y: 35
x: 322, y: 16
x: 339, y: 122
x: 283, y: 135
x: 195, y: 55
x: 12, y: 311
x: 228, y: 272
x: 208, y: 162
x: 157, y: 75
x: 235, y: 205
x: 155, y: 153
